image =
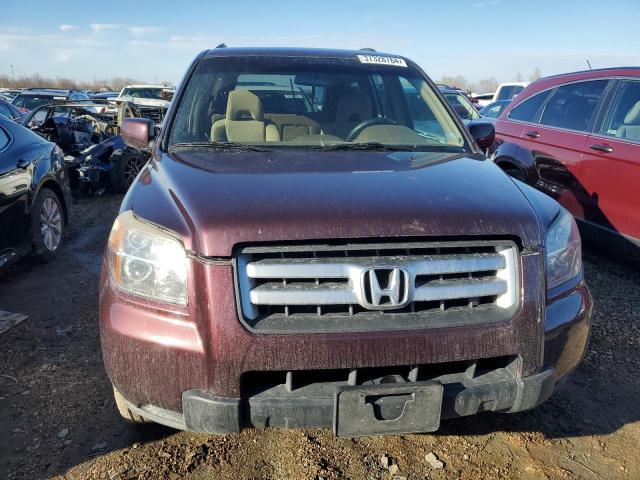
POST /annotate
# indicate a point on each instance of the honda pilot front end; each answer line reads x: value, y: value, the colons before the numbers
x: 318, y: 241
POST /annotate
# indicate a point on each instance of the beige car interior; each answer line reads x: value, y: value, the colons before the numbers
x: 245, y: 121
x: 630, y: 129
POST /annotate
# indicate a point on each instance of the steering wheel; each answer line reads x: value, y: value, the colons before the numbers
x: 357, y: 130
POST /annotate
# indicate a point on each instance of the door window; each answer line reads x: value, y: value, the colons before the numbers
x: 527, y: 110
x: 623, y: 118
x: 4, y: 139
x: 4, y: 110
x: 573, y: 106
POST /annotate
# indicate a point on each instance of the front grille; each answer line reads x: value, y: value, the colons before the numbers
x: 297, y: 286
x: 153, y: 113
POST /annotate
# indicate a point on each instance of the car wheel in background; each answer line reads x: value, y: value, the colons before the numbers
x: 514, y: 172
x: 47, y: 225
x: 126, y: 165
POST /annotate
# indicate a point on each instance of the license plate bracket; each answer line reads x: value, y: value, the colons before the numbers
x: 387, y: 409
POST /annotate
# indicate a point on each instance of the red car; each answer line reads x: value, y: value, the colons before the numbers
x: 576, y: 137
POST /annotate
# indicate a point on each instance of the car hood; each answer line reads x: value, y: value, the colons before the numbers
x: 215, y: 201
x: 144, y: 102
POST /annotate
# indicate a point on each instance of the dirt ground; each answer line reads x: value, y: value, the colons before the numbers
x: 58, y: 418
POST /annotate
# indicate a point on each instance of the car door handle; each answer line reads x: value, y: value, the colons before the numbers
x: 22, y: 164
x: 532, y: 134
x: 601, y: 148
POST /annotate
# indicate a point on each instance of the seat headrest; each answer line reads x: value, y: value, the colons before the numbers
x: 243, y: 104
x: 633, y: 115
x: 354, y: 107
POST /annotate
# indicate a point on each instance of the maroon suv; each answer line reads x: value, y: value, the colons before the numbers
x: 319, y: 241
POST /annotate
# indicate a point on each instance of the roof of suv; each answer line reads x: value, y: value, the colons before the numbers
x: 555, y: 80
x: 292, y: 52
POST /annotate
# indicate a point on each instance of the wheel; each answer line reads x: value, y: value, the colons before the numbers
x: 124, y: 411
x: 514, y: 172
x: 47, y: 226
x: 125, y: 166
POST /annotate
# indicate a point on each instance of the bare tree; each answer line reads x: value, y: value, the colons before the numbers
x: 458, y: 81
x: 535, y: 74
x: 486, y: 85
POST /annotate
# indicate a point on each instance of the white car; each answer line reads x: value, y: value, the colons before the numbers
x: 145, y: 95
x: 506, y: 91
x: 483, y: 99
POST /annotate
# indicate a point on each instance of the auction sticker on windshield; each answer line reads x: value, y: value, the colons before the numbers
x: 380, y: 60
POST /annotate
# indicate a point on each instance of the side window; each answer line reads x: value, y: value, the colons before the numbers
x: 526, y: 111
x: 39, y: 117
x: 572, y: 106
x: 4, y: 110
x: 4, y: 139
x: 623, y: 118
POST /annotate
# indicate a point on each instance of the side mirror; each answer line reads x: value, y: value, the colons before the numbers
x: 137, y: 132
x: 483, y: 133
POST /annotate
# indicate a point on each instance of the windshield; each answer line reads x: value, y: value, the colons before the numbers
x: 462, y: 106
x: 507, y: 92
x: 146, y: 92
x: 31, y: 102
x: 302, y: 102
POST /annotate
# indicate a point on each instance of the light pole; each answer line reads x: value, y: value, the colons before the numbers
x: 13, y: 76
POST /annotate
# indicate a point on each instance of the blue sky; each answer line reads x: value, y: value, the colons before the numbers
x: 473, y: 38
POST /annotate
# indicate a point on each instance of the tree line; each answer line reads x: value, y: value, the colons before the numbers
x: 37, y: 80
x: 487, y: 85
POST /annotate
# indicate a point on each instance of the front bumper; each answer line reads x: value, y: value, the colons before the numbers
x: 202, y: 412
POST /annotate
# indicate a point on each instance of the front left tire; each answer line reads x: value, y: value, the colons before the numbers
x: 47, y: 226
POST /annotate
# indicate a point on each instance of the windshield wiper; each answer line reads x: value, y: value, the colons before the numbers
x: 221, y: 146
x: 370, y: 146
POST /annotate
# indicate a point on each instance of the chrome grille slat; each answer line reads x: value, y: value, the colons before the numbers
x: 455, y: 289
x: 342, y: 267
x: 303, y: 294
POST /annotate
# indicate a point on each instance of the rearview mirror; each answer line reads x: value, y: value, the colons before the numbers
x: 137, y: 132
x: 483, y: 133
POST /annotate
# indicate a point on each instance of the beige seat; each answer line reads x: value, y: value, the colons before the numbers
x: 630, y: 129
x: 353, y: 108
x: 244, y: 121
x: 293, y: 126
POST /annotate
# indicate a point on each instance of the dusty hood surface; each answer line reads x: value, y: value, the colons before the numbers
x: 218, y: 200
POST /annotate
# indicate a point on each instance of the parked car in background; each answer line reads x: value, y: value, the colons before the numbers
x: 11, y: 112
x: 576, y: 137
x: 506, y: 91
x: 460, y: 103
x: 104, y: 96
x: 150, y: 95
x: 8, y: 94
x: 323, y: 261
x: 31, y: 98
x: 34, y: 195
x: 494, y: 109
x: 483, y: 99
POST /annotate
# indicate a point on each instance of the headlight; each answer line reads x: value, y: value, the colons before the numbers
x: 564, y: 252
x: 146, y: 261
